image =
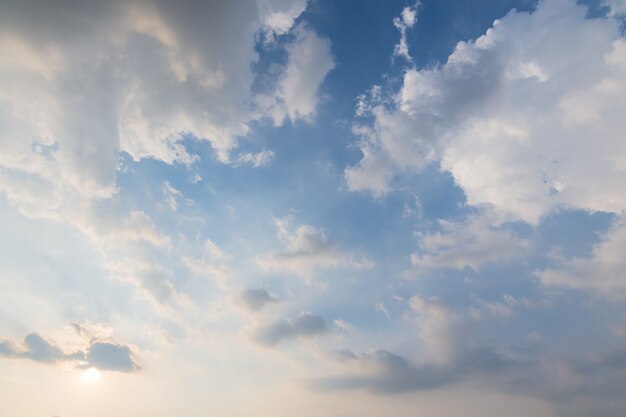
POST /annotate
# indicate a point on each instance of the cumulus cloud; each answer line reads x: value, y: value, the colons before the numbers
x: 98, y: 354
x: 306, y: 249
x: 85, y: 82
x: 89, y: 111
x: 296, y: 94
x: 471, y: 243
x: 451, y: 358
x: 255, y: 299
x: 521, y: 119
x: 306, y: 325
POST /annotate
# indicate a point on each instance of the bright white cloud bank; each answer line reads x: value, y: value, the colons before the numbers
x: 528, y: 117
x: 84, y: 82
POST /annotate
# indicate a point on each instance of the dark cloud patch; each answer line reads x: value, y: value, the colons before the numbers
x: 80, y: 330
x: 384, y: 372
x: 40, y: 350
x: 101, y: 355
x: 7, y: 349
x: 615, y: 359
x: 109, y: 356
x: 305, y: 325
x: 256, y: 299
x: 591, y: 386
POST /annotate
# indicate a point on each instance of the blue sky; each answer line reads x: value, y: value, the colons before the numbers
x: 313, y: 208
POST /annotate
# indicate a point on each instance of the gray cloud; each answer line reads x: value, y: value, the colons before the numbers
x: 581, y: 387
x: 6, y: 348
x: 40, y: 350
x: 139, y: 76
x: 101, y: 355
x: 110, y: 356
x: 305, y: 325
x: 256, y: 299
x: 384, y: 372
x: 37, y: 349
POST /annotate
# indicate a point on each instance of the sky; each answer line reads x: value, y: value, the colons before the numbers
x: 313, y: 208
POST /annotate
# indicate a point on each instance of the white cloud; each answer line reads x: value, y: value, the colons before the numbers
x: 509, y: 306
x: 404, y: 22
x: 171, y: 195
x: 309, y: 60
x: 212, y: 250
x: 115, y: 229
x: 380, y: 306
x: 367, y: 101
x: 472, y: 243
x: 344, y: 326
x: 278, y: 16
x: 523, y: 120
x: 307, y: 249
x: 603, y: 271
x: 34, y: 196
x: 83, y: 83
x: 256, y: 160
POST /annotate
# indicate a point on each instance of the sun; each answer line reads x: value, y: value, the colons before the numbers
x: 90, y: 376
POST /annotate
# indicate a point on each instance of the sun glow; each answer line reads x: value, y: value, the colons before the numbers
x: 90, y: 376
